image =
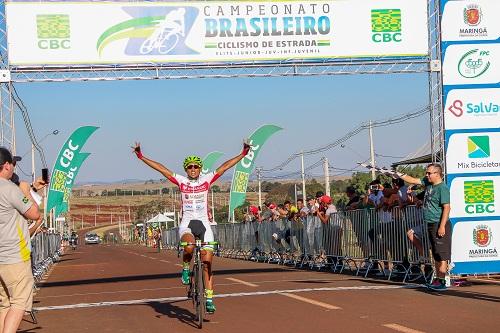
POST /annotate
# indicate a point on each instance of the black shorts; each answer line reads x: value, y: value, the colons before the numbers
x: 441, y: 246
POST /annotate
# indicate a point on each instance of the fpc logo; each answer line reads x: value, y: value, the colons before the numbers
x: 479, y: 196
x: 474, y: 63
x: 478, y: 146
x: 53, y: 31
x: 386, y: 25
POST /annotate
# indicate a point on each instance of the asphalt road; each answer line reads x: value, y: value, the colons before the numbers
x: 130, y: 288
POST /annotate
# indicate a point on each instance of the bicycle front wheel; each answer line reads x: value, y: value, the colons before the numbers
x: 200, y: 290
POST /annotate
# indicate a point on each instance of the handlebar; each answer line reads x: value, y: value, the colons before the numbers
x: 198, y: 243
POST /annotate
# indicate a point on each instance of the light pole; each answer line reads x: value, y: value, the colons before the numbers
x: 54, y: 132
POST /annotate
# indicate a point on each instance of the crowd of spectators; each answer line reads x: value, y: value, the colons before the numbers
x: 324, y: 228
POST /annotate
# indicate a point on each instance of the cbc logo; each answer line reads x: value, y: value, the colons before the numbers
x: 387, y: 37
x: 54, y: 44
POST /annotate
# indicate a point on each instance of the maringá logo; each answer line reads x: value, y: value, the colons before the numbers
x: 472, y: 15
x: 53, y: 31
x: 478, y: 146
x: 164, y: 32
x: 479, y: 196
x: 386, y: 25
x: 482, y: 235
x: 474, y: 63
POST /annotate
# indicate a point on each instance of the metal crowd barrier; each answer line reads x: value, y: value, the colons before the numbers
x: 45, y: 250
x: 365, y: 241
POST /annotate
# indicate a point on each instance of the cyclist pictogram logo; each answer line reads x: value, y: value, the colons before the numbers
x: 163, y: 32
x: 166, y: 36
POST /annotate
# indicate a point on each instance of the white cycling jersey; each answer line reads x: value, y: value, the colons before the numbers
x: 194, y: 195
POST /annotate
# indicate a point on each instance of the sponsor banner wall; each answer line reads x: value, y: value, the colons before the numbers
x: 471, y: 20
x: 470, y: 45
x: 474, y: 241
x: 476, y: 152
x: 471, y: 64
x: 474, y: 197
x: 45, y: 33
x: 472, y: 108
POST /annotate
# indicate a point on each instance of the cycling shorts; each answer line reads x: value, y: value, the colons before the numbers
x: 200, y: 230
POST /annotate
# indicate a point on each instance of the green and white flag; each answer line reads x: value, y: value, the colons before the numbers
x: 64, y: 163
x: 244, y: 168
x: 209, y: 161
x: 76, y: 163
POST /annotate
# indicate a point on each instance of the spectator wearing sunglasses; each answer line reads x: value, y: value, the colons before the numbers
x: 436, y: 211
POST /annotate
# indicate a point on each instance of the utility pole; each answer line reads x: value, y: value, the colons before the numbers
x: 303, y: 175
x: 372, y: 150
x: 327, y: 175
x: 259, y: 178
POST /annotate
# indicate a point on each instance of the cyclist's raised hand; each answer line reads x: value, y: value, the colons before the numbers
x: 137, y: 150
x: 246, y: 147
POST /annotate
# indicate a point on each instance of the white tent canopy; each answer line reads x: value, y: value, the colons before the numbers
x: 160, y: 218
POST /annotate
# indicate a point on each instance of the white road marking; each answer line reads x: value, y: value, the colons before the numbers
x: 401, y: 328
x: 255, y: 293
x: 242, y: 282
x: 313, y: 302
x: 179, y: 265
x: 165, y: 261
x: 112, y: 292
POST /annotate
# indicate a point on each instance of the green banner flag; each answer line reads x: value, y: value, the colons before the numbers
x: 76, y: 163
x: 61, y: 171
x: 209, y: 161
x: 244, y: 168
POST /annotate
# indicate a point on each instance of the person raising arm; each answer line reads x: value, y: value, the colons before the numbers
x: 195, y: 221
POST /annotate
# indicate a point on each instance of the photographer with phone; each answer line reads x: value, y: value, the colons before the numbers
x: 16, y: 278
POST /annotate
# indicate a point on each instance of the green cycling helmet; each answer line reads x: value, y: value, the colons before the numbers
x: 193, y: 159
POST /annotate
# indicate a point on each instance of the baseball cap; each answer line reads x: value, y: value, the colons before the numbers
x: 5, y: 156
x: 326, y: 199
x: 253, y: 209
x: 310, y: 197
x: 272, y: 206
x: 319, y: 194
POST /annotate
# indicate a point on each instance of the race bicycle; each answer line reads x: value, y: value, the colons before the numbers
x: 196, y: 288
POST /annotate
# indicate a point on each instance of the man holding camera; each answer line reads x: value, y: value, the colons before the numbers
x: 436, y: 210
x: 16, y: 287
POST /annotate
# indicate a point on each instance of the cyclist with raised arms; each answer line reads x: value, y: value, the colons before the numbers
x: 195, y: 223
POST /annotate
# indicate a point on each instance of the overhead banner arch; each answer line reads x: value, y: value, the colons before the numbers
x: 52, y: 33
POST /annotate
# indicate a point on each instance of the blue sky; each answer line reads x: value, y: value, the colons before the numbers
x: 174, y: 118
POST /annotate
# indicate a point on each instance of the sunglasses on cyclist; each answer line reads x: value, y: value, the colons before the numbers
x: 193, y: 166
